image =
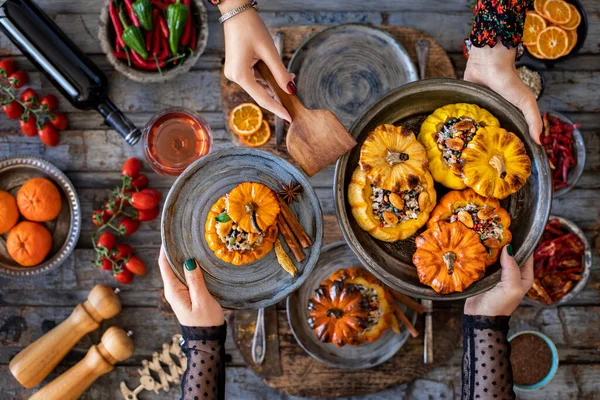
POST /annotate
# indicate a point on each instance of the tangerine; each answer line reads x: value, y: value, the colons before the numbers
x: 29, y: 243
x: 39, y: 200
x: 9, y: 213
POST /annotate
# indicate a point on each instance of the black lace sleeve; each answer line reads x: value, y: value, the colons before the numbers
x: 499, y: 21
x: 204, y: 377
x: 486, y: 368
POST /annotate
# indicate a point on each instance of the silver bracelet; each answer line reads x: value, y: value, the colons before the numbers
x: 238, y: 10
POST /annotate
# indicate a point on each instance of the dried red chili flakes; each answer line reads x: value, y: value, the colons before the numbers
x: 557, y: 263
x: 557, y: 140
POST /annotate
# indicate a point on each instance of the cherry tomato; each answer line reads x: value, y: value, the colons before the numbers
x: 128, y: 226
x: 123, y: 251
x: 155, y: 193
x: 131, y: 167
x: 136, y: 266
x: 29, y: 97
x: 111, y: 207
x: 13, y: 110
x: 99, y: 217
x: 148, y: 215
x: 28, y: 126
x: 59, y: 120
x: 124, y: 276
x: 7, y: 67
x: 139, y: 182
x: 50, y: 101
x: 107, y: 240
x: 143, y: 200
x: 18, y: 79
x: 106, y: 264
x: 125, y: 197
x: 48, y: 135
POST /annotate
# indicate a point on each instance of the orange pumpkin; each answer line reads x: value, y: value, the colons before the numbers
x: 253, y: 206
x: 484, y: 215
x: 215, y: 232
x: 28, y: 243
x: 449, y: 257
x: 339, y: 312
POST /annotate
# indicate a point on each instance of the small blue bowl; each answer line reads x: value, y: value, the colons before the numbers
x: 553, y: 368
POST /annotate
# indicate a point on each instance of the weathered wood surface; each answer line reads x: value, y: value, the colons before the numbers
x: 91, y: 155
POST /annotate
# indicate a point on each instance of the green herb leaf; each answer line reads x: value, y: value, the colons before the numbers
x: 223, y: 217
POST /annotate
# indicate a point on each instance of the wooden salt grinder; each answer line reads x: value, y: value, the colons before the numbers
x: 37, y: 360
x: 115, y: 346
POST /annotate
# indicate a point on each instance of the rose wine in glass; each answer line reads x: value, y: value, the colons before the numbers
x: 174, y: 139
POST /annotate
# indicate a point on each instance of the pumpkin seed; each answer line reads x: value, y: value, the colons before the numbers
x: 465, y: 218
x: 396, y: 201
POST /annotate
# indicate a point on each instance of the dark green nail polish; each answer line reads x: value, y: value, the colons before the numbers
x: 509, y: 250
x: 190, y: 264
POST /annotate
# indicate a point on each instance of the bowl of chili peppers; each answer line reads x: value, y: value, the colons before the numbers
x: 562, y: 263
x: 152, y: 41
x: 565, y: 149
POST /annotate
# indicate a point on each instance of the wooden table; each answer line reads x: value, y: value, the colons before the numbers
x: 91, y: 155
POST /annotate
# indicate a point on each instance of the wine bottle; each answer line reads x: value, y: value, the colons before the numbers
x: 71, y: 71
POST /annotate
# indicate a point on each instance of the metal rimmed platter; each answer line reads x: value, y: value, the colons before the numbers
x: 14, y: 172
x: 347, y: 68
x: 336, y: 256
x: 255, y: 285
x: 409, y: 106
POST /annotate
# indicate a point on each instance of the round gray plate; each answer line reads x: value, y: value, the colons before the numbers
x: 347, y: 68
x: 263, y: 282
x: 409, y: 106
x: 333, y: 257
x: 14, y: 172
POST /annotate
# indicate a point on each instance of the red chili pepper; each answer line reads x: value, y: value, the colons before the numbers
x: 160, y: 4
x: 187, y: 31
x: 194, y: 38
x: 155, y: 32
x: 148, y: 36
x: 131, y: 13
x: 163, y: 26
x: 149, y: 64
x: 117, y: 25
x: 164, y: 48
x: 120, y: 54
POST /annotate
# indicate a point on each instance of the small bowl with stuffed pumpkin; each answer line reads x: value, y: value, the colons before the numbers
x: 444, y: 176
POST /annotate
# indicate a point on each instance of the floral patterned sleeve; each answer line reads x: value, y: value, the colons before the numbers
x: 204, y: 377
x: 486, y: 368
x: 499, y: 21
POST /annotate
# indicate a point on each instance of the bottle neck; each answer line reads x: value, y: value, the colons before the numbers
x: 117, y: 120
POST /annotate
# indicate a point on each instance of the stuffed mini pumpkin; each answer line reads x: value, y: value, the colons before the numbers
x: 449, y: 257
x: 484, y: 215
x: 390, y: 216
x: 253, y: 206
x: 392, y: 158
x: 351, y: 307
x: 495, y: 163
x: 445, y: 133
x: 230, y: 242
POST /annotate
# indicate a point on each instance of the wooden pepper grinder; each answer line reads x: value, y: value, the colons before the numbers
x: 37, y: 360
x: 115, y: 346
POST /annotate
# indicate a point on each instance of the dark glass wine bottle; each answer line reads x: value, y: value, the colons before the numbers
x: 71, y: 71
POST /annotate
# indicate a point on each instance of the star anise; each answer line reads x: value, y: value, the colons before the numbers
x: 290, y: 192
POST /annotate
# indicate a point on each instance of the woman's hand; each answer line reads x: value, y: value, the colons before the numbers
x: 505, y: 297
x: 194, y: 306
x: 494, y: 67
x: 247, y: 40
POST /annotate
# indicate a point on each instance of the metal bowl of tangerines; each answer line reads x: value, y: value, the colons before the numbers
x: 40, y: 217
x: 555, y: 30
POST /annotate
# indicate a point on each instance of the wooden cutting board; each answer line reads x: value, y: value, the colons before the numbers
x: 438, y: 66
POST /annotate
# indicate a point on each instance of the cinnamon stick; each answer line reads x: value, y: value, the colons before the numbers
x: 406, y: 322
x: 404, y: 299
x: 291, y: 241
x: 294, y: 224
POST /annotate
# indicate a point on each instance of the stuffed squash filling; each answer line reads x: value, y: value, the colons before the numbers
x: 454, y: 136
x: 392, y: 208
x: 235, y: 239
x: 482, y: 220
x: 370, y: 295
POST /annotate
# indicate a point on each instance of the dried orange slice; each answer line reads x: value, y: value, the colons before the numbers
x: 572, y: 41
x: 553, y: 42
x: 557, y: 11
x: 575, y: 20
x: 246, y: 119
x: 534, y: 51
x: 538, y: 6
x: 534, y: 24
x: 259, y: 137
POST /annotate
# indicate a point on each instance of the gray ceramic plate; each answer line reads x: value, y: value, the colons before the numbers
x: 261, y: 283
x: 587, y: 267
x: 409, y: 106
x: 14, y: 172
x: 579, y: 150
x: 333, y: 257
x: 347, y: 68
